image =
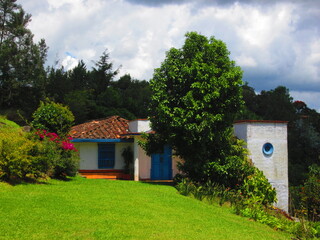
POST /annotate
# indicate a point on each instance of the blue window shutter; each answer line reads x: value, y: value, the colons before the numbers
x: 106, y: 155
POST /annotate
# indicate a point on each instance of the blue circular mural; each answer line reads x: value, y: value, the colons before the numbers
x: 267, y: 149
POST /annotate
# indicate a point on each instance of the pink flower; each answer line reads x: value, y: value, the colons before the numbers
x: 68, y: 146
x: 53, y: 137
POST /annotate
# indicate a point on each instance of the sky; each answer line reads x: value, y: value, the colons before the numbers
x: 274, y: 42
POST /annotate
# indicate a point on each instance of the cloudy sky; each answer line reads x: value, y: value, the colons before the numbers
x: 274, y: 42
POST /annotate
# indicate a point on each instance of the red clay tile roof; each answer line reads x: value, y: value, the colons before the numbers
x: 107, y: 128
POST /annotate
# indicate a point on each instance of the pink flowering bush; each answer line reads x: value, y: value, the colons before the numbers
x: 67, y: 160
x: 64, y: 143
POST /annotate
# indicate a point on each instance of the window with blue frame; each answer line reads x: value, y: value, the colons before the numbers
x: 106, y: 155
x: 267, y: 149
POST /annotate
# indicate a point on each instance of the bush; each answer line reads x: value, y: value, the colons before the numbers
x: 252, y: 200
x: 310, y: 193
x: 66, y: 159
x: 306, y: 198
x: 257, y: 188
x: 22, y: 159
x: 66, y: 165
x: 233, y: 168
x: 53, y: 117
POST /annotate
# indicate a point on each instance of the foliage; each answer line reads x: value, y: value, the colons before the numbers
x: 22, y: 159
x: 66, y: 165
x: 195, y: 96
x: 90, y: 93
x: 127, y: 155
x: 34, y: 156
x: 306, y: 198
x: 66, y: 159
x: 249, y: 201
x: 304, y: 149
x: 95, y: 93
x: 53, y: 117
x: 234, y: 168
x: 22, y: 75
x: 257, y: 188
x: 255, y: 191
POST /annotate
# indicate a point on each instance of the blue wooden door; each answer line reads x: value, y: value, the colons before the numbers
x: 161, y: 164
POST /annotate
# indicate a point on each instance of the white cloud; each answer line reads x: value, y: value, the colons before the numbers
x: 245, y: 61
x: 69, y: 62
x: 275, y: 43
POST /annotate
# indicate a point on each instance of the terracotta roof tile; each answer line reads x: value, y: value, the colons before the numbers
x: 107, y: 128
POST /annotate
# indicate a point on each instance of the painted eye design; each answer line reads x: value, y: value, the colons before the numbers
x: 267, y: 149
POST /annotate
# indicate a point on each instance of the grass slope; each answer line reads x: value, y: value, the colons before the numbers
x: 100, y: 209
x: 6, y: 123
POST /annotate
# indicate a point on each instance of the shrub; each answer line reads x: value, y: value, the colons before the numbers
x: 233, y: 168
x: 185, y: 187
x: 22, y: 159
x: 127, y: 155
x: 251, y: 200
x: 306, y: 198
x: 66, y: 159
x: 310, y: 193
x: 257, y: 188
x: 53, y: 117
x: 66, y: 165
x: 35, y: 155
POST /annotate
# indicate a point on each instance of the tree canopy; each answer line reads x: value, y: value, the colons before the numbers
x: 196, y: 94
x: 22, y: 74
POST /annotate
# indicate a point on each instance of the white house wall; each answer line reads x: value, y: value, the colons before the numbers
x: 144, y: 164
x: 274, y: 167
x: 140, y: 125
x: 119, y: 163
x: 89, y: 155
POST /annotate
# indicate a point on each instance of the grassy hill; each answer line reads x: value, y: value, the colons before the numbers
x: 7, y: 124
x: 100, y: 209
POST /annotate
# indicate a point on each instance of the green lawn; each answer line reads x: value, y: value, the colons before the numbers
x: 101, y: 209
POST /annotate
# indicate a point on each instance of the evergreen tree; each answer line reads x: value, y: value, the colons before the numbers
x: 21, y: 60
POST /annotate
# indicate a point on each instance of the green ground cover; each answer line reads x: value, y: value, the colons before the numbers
x: 100, y: 209
x: 4, y: 122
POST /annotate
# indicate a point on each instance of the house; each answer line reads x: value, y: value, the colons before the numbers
x: 101, y: 143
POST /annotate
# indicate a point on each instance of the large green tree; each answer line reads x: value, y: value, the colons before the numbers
x: 196, y: 94
x: 21, y: 60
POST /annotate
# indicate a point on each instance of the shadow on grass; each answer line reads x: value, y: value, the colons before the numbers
x: 15, y: 182
x: 159, y: 183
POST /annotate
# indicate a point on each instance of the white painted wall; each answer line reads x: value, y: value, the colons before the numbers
x: 274, y: 167
x: 139, y: 125
x: 145, y: 164
x: 89, y: 155
x: 119, y: 163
